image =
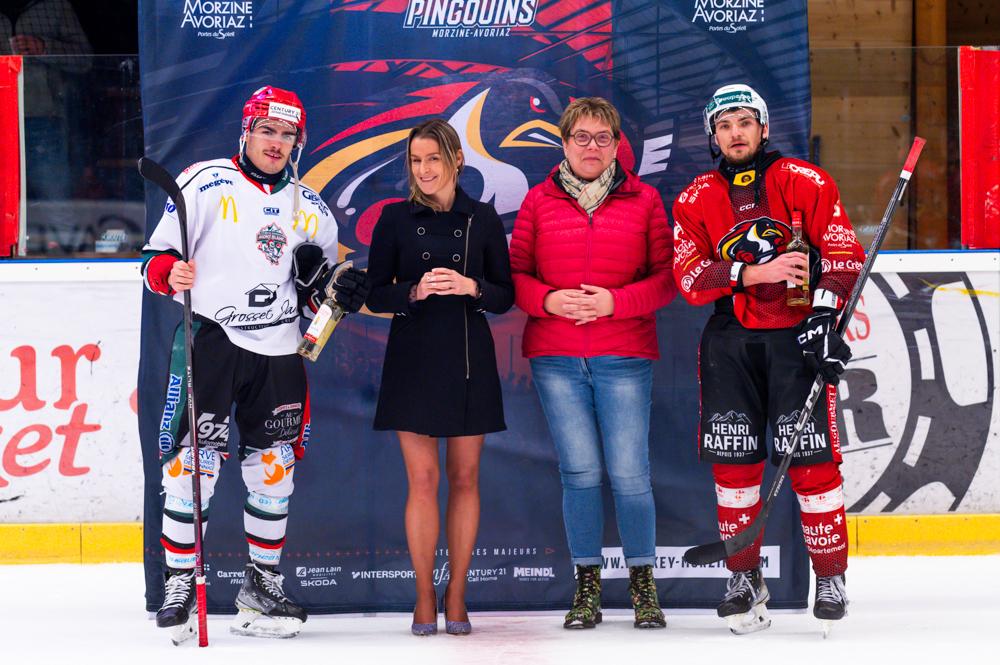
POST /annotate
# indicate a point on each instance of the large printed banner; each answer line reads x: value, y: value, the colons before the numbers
x: 501, y: 71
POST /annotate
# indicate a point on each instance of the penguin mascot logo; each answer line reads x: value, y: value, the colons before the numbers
x: 755, y: 241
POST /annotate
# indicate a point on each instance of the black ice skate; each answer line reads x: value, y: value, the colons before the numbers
x: 264, y: 610
x: 743, y: 607
x: 831, y: 601
x: 180, y: 607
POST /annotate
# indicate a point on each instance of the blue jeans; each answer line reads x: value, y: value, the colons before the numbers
x: 598, y: 408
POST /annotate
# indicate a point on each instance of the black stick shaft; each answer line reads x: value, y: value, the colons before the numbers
x: 162, y: 179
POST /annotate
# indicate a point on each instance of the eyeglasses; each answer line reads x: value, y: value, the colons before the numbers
x: 268, y: 134
x: 583, y: 139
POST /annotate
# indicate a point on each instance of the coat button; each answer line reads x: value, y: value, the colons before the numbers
x: 421, y: 230
x: 456, y: 258
x: 458, y: 233
x: 426, y: 256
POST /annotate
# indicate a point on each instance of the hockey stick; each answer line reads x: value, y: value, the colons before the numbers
x: 719, y: 550
x: 159, y: 176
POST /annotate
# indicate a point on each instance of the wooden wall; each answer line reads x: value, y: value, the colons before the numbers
x: 974, y: 22
x: 882, y: 71
x: 862, y: 75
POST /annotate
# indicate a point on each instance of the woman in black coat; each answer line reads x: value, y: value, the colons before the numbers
x: 439, y: 262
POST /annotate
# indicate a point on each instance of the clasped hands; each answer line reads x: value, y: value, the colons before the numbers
x: 583, y: 305
x: 445, y: 282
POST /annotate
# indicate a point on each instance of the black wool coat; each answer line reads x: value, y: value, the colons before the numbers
x: 440, y: 373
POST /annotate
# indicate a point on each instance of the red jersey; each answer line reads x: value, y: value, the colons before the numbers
x: 734, y: 216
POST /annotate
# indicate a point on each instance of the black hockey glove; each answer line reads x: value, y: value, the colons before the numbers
x: 350, y: 286
x: 824, y: 349
x: 308, y: 267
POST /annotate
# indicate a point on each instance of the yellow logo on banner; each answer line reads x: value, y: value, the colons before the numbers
x: 745, y: 178
x: 306, y: 219
x: 224, y: 203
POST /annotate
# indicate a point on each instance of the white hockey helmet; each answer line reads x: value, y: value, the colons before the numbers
x: 738, y: 95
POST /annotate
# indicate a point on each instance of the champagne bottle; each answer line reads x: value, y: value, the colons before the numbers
x: 327, y: 317
x: 798, y: 295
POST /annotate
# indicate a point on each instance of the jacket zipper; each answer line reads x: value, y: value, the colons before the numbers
x: 465, y: 268
x: 586, y: 274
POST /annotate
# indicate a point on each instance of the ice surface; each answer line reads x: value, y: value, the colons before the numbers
x: 904, y: 611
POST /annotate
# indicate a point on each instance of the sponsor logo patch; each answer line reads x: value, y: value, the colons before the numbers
x: 166, y: 440
x: 745, y: 178
x: 215, y: 183
x: 217, y: 19
x: 262, y: 295
x: 730, y: 16
x: 729, y: 435
x: 804, y: 171
x: 461, y: 18
x: 283, y: 112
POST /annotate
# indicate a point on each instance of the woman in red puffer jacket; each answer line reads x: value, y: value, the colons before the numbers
x: 591, y: 257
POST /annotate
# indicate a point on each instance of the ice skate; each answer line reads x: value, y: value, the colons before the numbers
x: 179, y: 611
x: 831, y: 601
x: 744, y: 605
x: 264, y: 610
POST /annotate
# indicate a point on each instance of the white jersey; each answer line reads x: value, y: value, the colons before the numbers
x: 241, y: 236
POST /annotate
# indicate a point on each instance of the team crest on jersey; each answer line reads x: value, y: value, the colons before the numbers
x: 755, y: 241
x: 271, y: 241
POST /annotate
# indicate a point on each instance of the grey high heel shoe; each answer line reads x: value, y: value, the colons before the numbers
x: 454, y: 627
x: 425, y: 629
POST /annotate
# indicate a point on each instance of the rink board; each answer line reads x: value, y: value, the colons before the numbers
x: 871, y: 535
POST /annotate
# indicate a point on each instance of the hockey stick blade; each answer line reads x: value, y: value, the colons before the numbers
x: 701, y: 555
x: 159, y: 176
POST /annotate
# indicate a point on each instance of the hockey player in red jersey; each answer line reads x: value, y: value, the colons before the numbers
x: 258, y: 241
x: 759, y: 355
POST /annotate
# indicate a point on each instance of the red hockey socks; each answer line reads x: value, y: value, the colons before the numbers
x: 820, y: 490
x: 737, y: 493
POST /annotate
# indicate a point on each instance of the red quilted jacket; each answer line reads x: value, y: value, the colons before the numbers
x: 627, y: 247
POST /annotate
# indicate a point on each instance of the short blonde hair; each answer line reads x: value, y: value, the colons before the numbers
x: 596, y: 107
x: 448, y: 145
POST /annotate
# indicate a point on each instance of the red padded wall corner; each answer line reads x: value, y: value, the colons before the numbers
x: 10, y: 155
x: 979, y: 82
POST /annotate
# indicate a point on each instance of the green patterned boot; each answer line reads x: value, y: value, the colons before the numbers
x: 586, y: 610
x: 642, y: 589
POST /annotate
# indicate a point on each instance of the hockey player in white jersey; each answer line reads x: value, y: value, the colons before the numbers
x: 258, y: 243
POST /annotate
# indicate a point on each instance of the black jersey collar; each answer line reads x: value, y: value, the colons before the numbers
x: 759, y: 165
x: 276, y: 180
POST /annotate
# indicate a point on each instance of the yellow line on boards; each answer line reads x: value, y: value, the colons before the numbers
x: 98, y: 542
x: 870, y: 535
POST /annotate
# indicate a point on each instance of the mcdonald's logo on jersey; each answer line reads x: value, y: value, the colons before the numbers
x: 224, y: 203
x: 745, y: 178
x: 307, y: 219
